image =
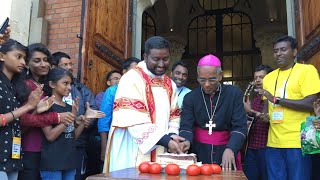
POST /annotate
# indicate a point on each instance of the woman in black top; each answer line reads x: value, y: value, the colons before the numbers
x: 12, y: 62
x: 58, y: 150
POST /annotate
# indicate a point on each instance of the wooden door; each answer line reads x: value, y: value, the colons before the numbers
x: 108, y: 40
x: 308, y: 31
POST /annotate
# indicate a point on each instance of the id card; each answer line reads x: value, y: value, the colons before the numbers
x: 16, y: 147
x: 277, y: 115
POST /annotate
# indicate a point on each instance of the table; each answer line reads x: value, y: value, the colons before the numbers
x: 133, y: 173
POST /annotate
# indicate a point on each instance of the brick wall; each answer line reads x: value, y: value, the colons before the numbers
x: 64, y: 20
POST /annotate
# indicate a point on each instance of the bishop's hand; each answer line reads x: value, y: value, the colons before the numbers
x: 228, y: 160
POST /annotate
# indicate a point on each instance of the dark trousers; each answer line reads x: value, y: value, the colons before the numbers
x: 31, y: 164
x: 287, y: 164
x: 81, y: 162
x: 315, y: 166
x: 255, y: 164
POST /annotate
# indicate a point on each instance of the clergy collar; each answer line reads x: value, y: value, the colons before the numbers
x: 143, y: 65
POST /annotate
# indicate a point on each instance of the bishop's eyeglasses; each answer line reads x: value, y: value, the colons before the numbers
x: 211, y: 80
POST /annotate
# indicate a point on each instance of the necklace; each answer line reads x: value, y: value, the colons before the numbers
x: 211, y: 124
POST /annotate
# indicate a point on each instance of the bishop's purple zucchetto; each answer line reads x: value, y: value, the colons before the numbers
x: 209, y: 60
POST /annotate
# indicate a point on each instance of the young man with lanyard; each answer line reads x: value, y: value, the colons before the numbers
x: 179, y: 75
x: 213, y: 118
x: 289, y: 93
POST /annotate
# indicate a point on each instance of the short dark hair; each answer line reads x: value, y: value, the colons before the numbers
x: 263, y: 67
x: 285, y: 38
x: 57, y: 57
x: 179, y: 63
x: 111, y: 72
x: 126, y: 64
x: 38, y: 47
x: 156, y: 42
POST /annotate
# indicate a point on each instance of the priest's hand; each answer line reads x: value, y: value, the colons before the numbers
x: 174, y: 147
x: 228, y: 160
x: 184, y: 146
x: 177, y: 138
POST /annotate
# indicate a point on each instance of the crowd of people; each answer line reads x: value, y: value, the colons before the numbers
x: 48, y: 118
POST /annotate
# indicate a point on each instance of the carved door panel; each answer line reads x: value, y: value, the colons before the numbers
x: 108, y: 40
x: 307, y: 28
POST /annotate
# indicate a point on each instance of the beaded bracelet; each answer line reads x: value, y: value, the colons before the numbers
x: 3, y: 121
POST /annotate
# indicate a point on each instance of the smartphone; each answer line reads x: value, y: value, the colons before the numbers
x: 4, y: 26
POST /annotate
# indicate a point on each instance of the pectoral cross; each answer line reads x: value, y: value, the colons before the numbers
x: 210, y: 125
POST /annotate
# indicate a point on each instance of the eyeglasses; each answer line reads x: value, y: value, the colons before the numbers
x: 66, y: 65
x: 210, y: 80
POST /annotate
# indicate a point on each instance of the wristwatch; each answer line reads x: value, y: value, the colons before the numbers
x: 277, y: 100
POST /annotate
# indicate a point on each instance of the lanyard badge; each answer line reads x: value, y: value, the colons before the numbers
x: 16, y: 147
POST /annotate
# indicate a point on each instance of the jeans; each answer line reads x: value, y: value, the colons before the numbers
x: 13, y: 175
x: 287, y: 164
x: 255, y: 164
x: 58, y: 175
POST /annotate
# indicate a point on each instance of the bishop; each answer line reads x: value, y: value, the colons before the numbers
x: 214, y: 102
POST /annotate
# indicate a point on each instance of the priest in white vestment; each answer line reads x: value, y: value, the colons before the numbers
x: 146, y: 118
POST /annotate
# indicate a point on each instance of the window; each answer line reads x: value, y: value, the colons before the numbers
x: 229, y: 36
x: 148, y: 28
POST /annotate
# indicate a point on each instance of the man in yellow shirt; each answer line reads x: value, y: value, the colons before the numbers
x: 289, y: 93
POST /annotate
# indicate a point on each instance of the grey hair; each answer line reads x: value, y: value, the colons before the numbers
x: 218, y: 70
